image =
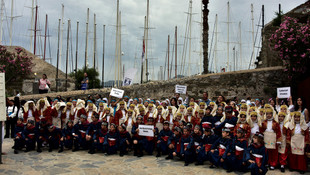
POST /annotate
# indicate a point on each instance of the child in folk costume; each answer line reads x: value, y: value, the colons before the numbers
x: 244, y: 107
x: 217, y: 120
x: 18, y: 138
x: 207, y: 118
x: 174, y: 144
x: 92, y: 130
x: 170, y: 116
x: 124, y: 140
x: 194, y: 106
x: 213, y: 107
x: 130, y: 120
x: 56, y: 114
x: 66, y: 139
x: 203, y: 150
x: 41, y: 133
x: 137, y: 139
x: 221, y: 149
x: 297, y: 139
x: 228, y: 118
x: 255, y: 123
x: 261, y: 113
x: 43, y: 110
x: 283, y: 120
x: 150, y: 141
x: 79, y: 110
x: 182, y: 109
x: 240, y: 145
x: 101, y: 109
x: 162, y: 140
x: 79, y: 134
x: 272, y: 137
x: 159, y: 118
x: 187, y: 146
x: 190, y: 117
x: 151, y: 112
x: 108, y: 116
x: 256, y: 155
x: 68, y: 114
x: 99, y: 138
x: 120, y: 114
x: 54, y: 135
x: 29, y: 135
x: 91, y: 109
x: 196, y: 135
x: 242, y: 123
x: 111, y: 140
x: 177, y: 120
x: 29, y: 111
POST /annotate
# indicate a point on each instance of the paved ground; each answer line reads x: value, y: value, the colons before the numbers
x: 45, y: 163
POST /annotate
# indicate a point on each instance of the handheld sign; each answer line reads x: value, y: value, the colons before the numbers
x: 284, y: 92
x: 146, y: 130
x: 118, y: 93
x: 181, y: 89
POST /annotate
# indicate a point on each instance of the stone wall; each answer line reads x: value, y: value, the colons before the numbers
x: 257, y: 83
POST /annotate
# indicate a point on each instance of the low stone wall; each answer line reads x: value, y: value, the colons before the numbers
x: 257, y: 83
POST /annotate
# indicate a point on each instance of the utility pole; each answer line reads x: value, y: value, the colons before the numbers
x: 147, y: 37
x: 67, y: 54
x: 58, y: 53
x: 116, y: 43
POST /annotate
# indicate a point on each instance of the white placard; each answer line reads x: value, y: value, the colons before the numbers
x: 181, y: 89
x: 146, y: 130
x: 284, y: 92
x: 129, y: 76
x: 118, y: 93
x: 2, y: 98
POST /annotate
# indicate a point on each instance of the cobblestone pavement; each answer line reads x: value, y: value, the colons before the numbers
x: 81, y: 162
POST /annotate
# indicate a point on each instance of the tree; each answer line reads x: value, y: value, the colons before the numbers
x: 16, y: 66
x: 292, y: 42
x: 93, y: 77
x: 205, y: 36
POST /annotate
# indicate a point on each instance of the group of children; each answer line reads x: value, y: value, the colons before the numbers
x: 236, y: 137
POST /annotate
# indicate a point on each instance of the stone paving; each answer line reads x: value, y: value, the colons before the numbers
x: 68, y: 162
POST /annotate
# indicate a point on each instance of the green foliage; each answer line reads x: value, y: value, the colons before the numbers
x: 93, y: 78
x: 277, y: 20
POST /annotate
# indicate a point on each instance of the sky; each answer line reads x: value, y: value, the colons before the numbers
x: 164, y: 16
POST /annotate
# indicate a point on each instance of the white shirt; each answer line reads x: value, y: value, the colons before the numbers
x: 68, y: 114
x: 90, y: 113
x: 10, y: 112
x: 124, y: 114
x: 269, y: 126
x: 189, y: 118
x: 108, y: 118
x: 158, y: 120
x: 297, y: 129
x: 255, y: 128
x: 30, y: 113
x: 129, y: 121
x: 59, y: 113
x: 171, y: 118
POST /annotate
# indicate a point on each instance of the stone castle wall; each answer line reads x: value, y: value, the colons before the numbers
x: 257, y: 83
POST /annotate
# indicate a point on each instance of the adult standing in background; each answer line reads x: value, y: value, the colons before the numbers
x: 44, y: 84
x: 84, y: 83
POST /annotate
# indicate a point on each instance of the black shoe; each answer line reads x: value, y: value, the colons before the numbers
x: 61, y: 150
x: 198, y: 163
x: 121, y: 154
x: 185, y: 164
x: 282, y: 169
x: 301, y: 172
x: 15, y: 151
x: 75, y: 149
x: 135, y: 154
x: 91, y: 152
x: 50, y: 150
x: 39, y: 150
x: 229, y: 170
x: 140, y: 155
x: 169, y: 157
x: 212, y: 166
x: 158, y: 155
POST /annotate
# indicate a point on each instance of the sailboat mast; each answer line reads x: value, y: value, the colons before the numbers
x: 95, y: 44
x: 61, y: 32
x: 31, y: 27
x: 103, y: 50
x: 176, y: 51
x: 143, y: 50
x: 76, y: 47
x: 116, y: 43
x: 240, y: 47
x: 190, y: 36
x: 57, y: 65
x: 168, y: 55
x: 67, y: 54
x: 11, y: 24
x: 215, y: 45
x: 227, y: 64
x: 146, y: 39
x: 253, y: 39
x: 1, y: 29
x: 46, y: 18
x: 86, y: 45
x: 35, y: 32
